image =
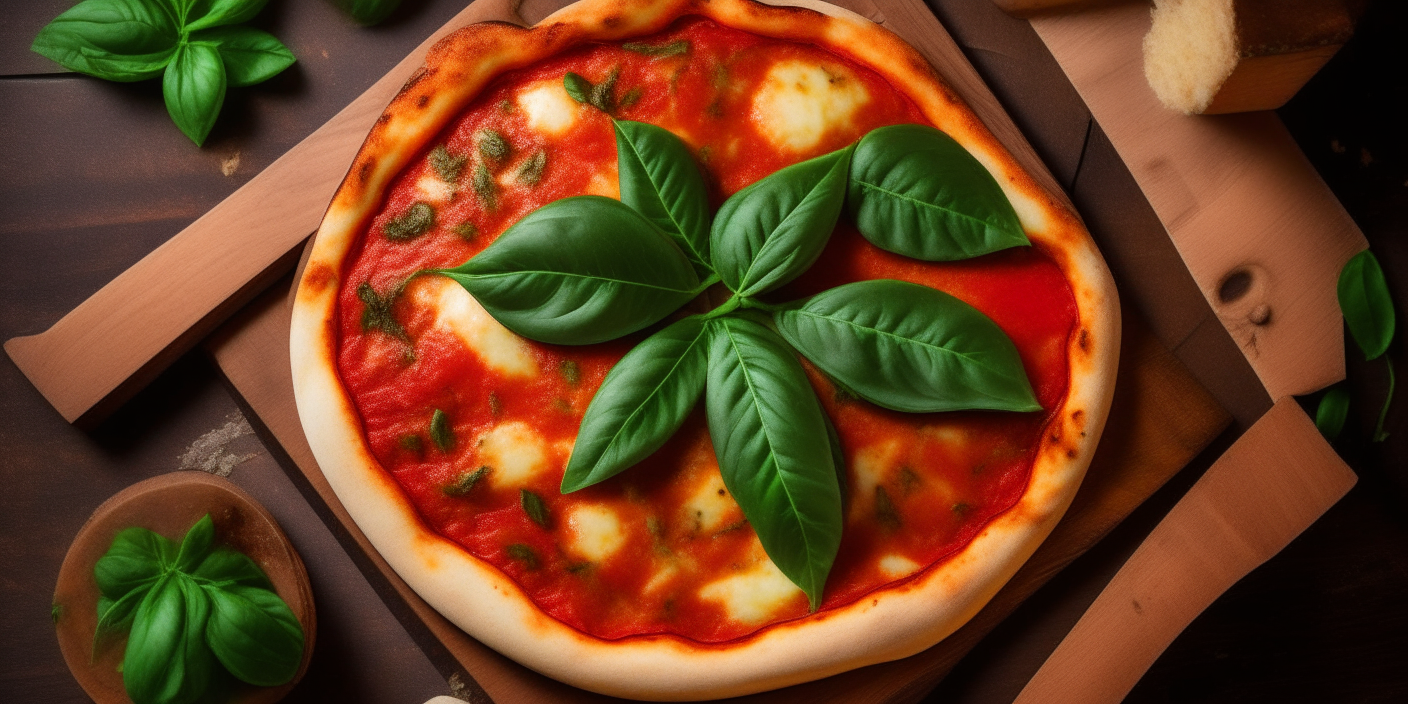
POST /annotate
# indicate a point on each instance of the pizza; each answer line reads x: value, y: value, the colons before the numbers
x: 449, y: 425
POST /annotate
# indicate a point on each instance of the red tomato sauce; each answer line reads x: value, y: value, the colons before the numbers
x: 920, y: 486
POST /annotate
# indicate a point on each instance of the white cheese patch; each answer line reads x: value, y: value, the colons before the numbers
x: 753, y: 596
x: 548, y: 107
x: 594, y: 532
x: 432, y: 190
x: 871, y: 467
x: 897, y: 566
x: 605, y: 183
x: 515, y: 454
x: 799, y: 102
x: 458, y: 312
x: 710, y: 507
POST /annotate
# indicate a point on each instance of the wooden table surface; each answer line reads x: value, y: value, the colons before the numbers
x: 93, y: 176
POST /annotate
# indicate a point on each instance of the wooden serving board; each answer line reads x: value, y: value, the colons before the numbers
x: 1161, y: 419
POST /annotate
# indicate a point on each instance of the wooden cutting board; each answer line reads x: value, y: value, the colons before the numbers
x: 1160, y: 421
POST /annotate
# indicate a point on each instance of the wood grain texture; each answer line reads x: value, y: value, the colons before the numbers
x: 1276, y: 480
x: 1035, y: 8
x: 1261, y: 233
x: 120, y: 338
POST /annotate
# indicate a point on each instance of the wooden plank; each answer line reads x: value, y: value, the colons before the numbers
x: 1259, y: 230
x: 1276, y: 480
x: 120, y: 338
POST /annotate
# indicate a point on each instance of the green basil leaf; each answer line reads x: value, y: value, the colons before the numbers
x: 661, y: 181
x: 116, y: 40
x: 643, y: 401
x: 136, y: 558
x: 770, y: 232
x: 1332, y: 412
x: 167, y: 660
x: 116, y: 616
x: 196, y: 545
x: 578, y: 271
x: 368, y: 12
x: 578, y: 88
x: 910, y: 348
x: 1366, y: 304
x: 204, y: 14
x: 226, y: 566
x: 194, y: 88
x: 915, y: 191
x: 251, y: 56
x: 769, y: 434
x: 535, y: 507
x: 254, y: 634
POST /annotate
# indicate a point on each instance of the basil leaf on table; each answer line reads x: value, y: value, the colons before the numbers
x: 254, y: 634
x: 909, y: 348
x: 224, y: 566
x: 204, y: 14
x: 767, y: 429
x: 917, y: 192
x: 643, y: 401
x: 116, y: 40
x: 136, y: 558
x: 196, y: 545
x: 251, y: 56
x: 368, y: 12
x: 194, y: 88
x: 1332, y: 412
x: 661, y: 181
x: 578, y: 271
x: 769, y: 233
x: 167, y: 659
x: 1366, y: 304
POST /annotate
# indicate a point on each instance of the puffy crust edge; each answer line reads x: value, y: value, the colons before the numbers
x: 893, y: 623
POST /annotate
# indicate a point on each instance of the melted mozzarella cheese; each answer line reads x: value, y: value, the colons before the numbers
x: 753, y: 596
x: 458, y: 312
x: 432, y: 190
x: 594, y: 532
x: 798, y: 103
x: 709, y: 507
x: 896, y: 566
x: 548, y: 107
x: 514, y: 452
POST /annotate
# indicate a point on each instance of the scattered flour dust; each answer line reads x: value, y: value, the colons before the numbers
x: 229, y: 165
x: 211, y: 451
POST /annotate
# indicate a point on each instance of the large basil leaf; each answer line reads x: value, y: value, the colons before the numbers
x: 1366, y: 304
x: 642, y: 402
x: 136, y: 558
x: 254, y: 634
x: 167, y: 660
x: 225, y: 566
x: 660, y: 180
x: 194, y: 89
x: 910, y: 348
x: 770, y: 437
x: 117, y: 40
x: 196, y: 545
x: 578, y: 271
x: 917, y: 192
x: 215, y: 13
x: 251, y: 56
x: 770, y: 232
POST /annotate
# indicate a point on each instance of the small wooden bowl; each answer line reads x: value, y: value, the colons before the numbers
x: 169, y: 505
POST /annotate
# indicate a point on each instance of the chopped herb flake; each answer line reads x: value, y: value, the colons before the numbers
x: 493, y: 145
x: 485, y: 187
x: 523, y: 553
x: 419, y: 218
x: 465, y: 483
x: 674, y: 48
x: 466, y: 230
x: 447, y: 166
x: 440, y: 431
x: 411, y: 442
x: 376, y: 311
x: 631, y: 97
x: 496, y: 407
x: 603, y: 94
x: 531, y: 172
x: 533, y: 506
x: 885, y: 511
x: 571, y: 371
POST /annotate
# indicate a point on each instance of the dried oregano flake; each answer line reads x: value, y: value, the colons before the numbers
x: 417, y: 220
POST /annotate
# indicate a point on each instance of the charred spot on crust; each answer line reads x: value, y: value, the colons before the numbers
x: 364, y: 172
x: 318, y: 277
x: 1070, y: 453
x: 611, y: 21
x: 422, y: 101
x: 1084, y: 340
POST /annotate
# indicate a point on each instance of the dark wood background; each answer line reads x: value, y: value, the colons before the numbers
x: 93, y: 176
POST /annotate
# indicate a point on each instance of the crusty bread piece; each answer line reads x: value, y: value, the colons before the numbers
x: 1219, y: 56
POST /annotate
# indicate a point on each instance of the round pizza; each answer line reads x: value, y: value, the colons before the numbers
x: 681, y: 349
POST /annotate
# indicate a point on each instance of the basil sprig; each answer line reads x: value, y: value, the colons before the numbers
x: 192, y: 610
x: 588, y: 269
x: 193, y: 45
x: 1368, y: 312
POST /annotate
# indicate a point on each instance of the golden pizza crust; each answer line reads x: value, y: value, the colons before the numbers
x: 888, y: 624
